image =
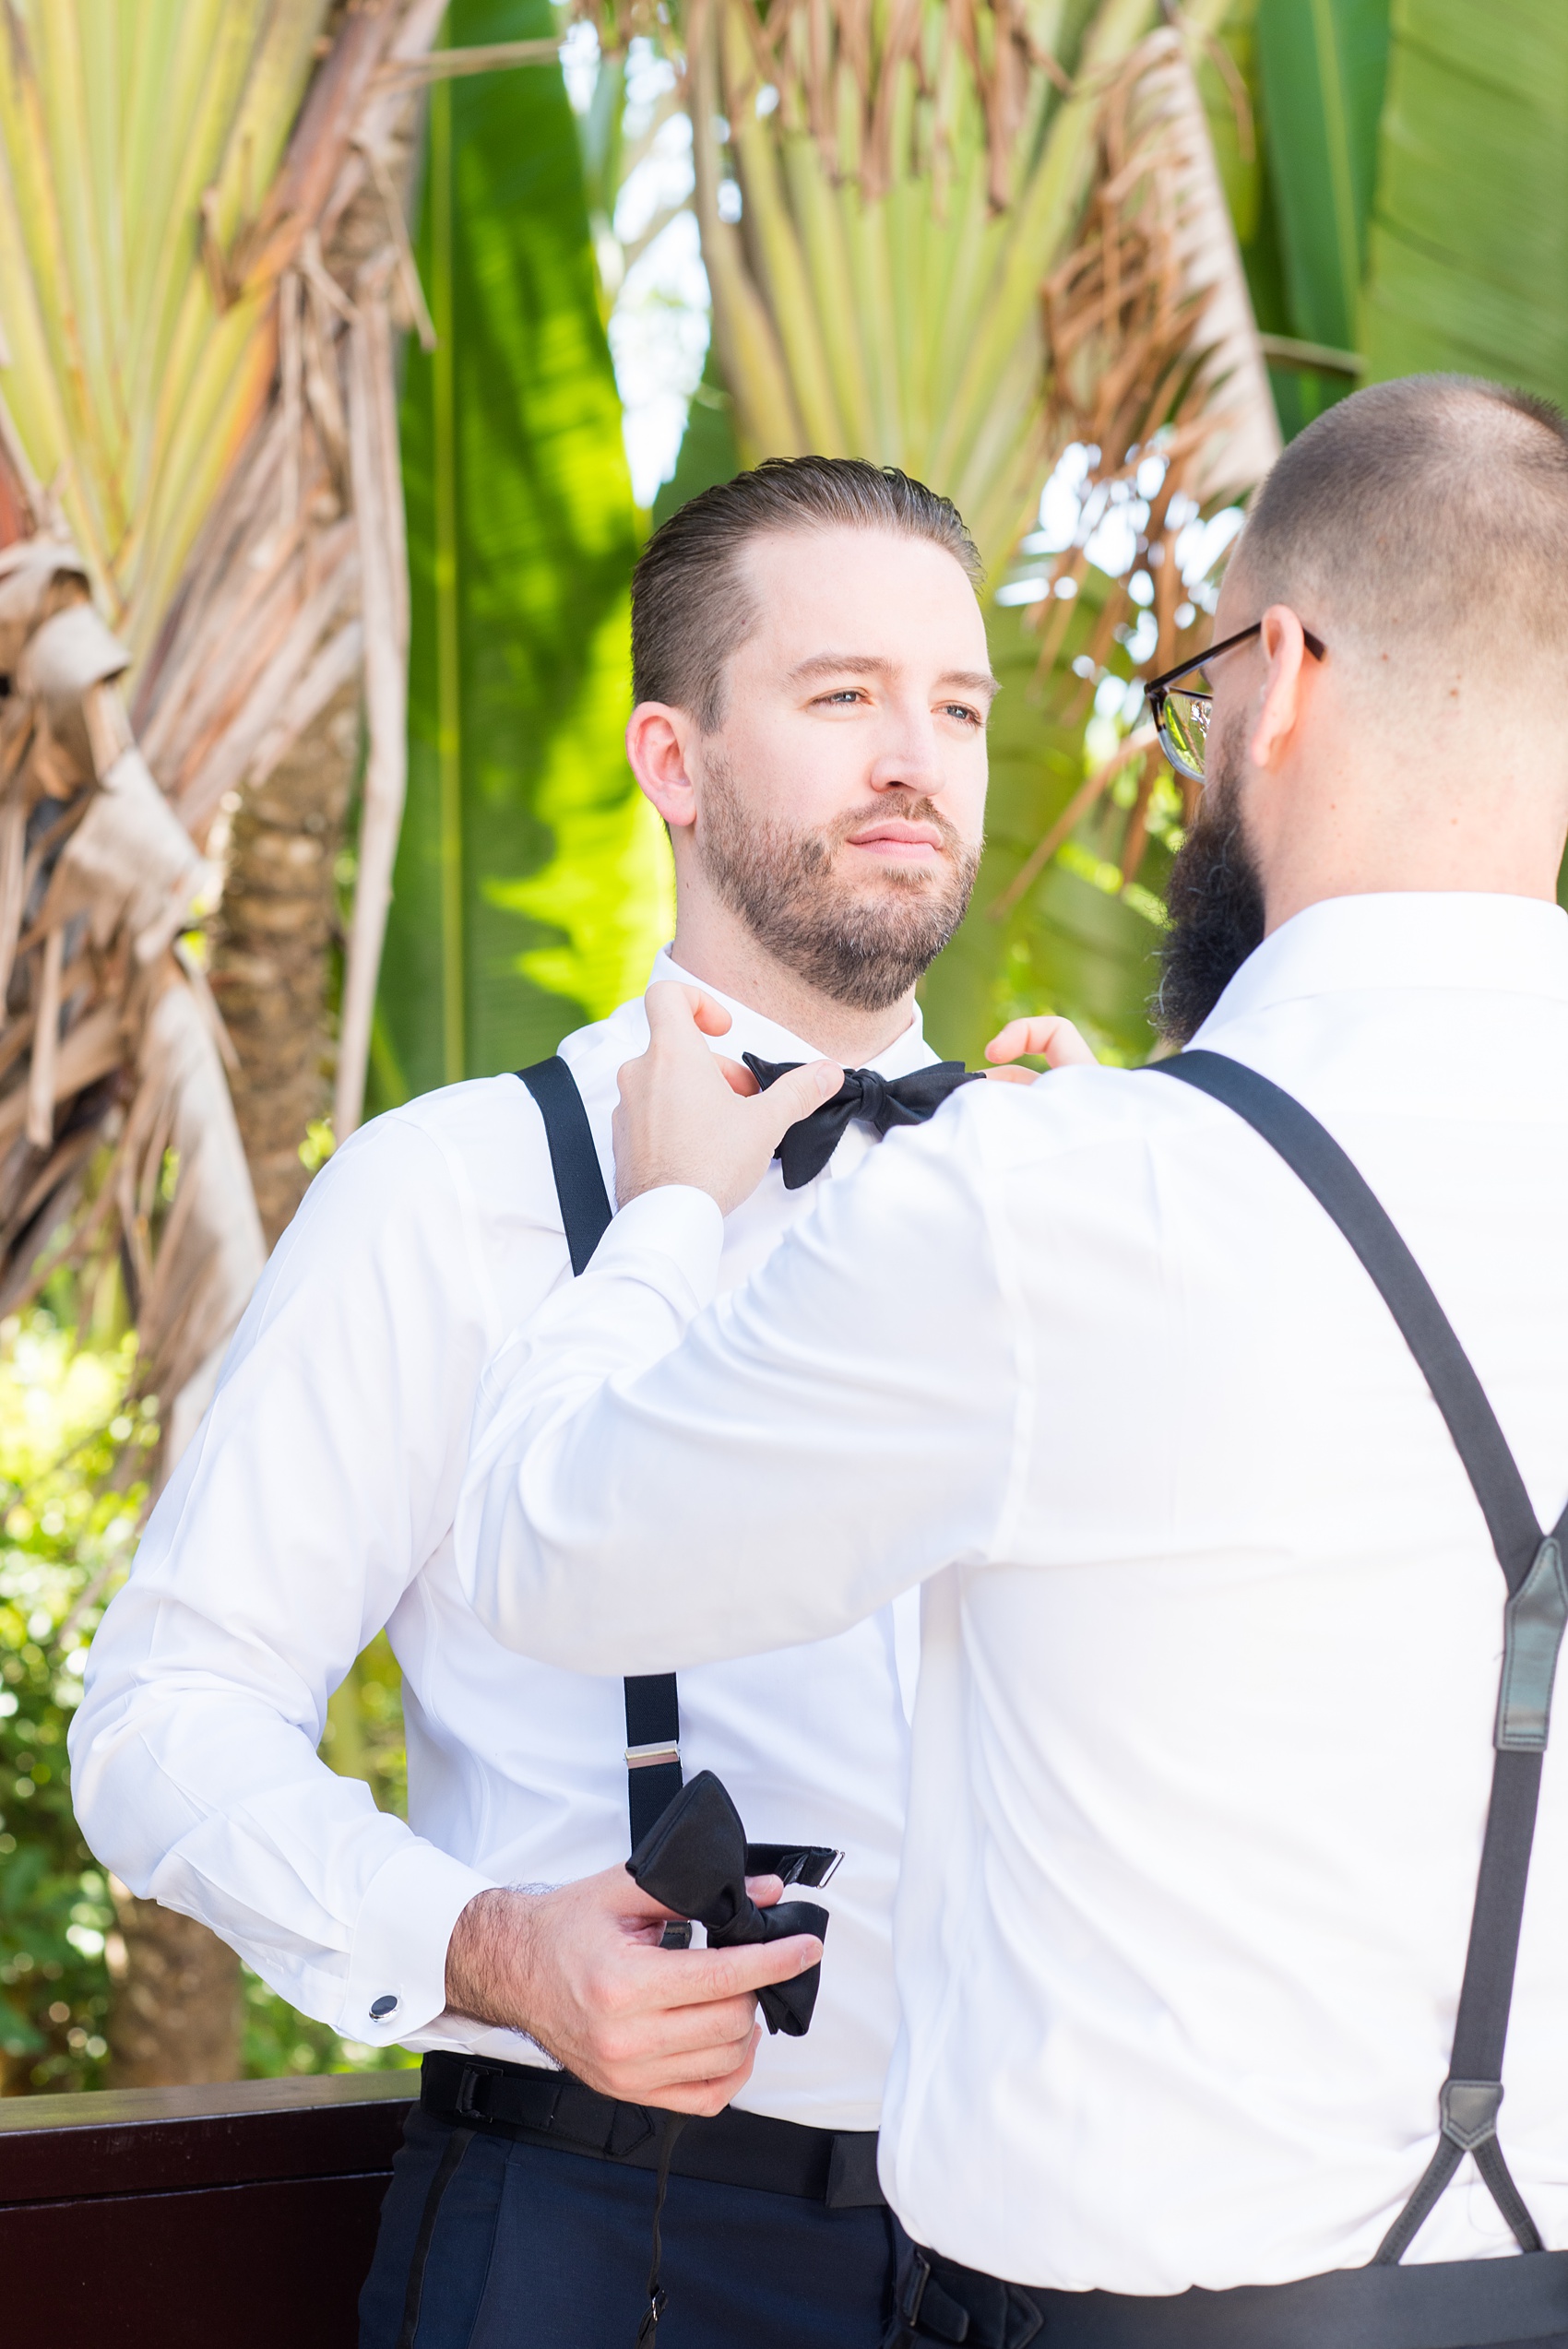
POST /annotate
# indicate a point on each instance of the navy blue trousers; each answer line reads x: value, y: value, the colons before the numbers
x: 534, y: 2249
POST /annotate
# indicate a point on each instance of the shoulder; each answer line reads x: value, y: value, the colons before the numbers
x: 432, y: 1146
x: 595, y: 1054
x: 1068, y: 1111
x: 1077, y: 1140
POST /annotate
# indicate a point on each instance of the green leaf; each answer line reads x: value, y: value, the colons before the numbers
x: 1468, y: 260
x: 1322, y: 65
x: 533, y: 880
x: 1074, y: 942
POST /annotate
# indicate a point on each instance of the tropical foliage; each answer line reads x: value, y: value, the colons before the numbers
x: 74, y: 1449
x: 532, y: 882
x: 67, y: 1523
x: 202, y: 257
x: 1467, y: 265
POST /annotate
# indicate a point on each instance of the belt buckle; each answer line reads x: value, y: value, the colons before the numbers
x: 468, y: 2109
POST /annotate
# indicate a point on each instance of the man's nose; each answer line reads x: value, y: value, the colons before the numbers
x: 912, y: 761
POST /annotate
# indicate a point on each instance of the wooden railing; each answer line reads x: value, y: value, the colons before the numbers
x: 239, y: 2217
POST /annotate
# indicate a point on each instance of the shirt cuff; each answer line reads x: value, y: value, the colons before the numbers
x: 397, y: 1960
x: 670, y: 1238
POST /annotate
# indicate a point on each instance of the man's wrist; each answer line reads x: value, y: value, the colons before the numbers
x: 490, y: 1958
x: 671, y: 1237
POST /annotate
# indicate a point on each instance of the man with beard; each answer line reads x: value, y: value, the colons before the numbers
x: 812, y: 686
x: 1231, y: 1733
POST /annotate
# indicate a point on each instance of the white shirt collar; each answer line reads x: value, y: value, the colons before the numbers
x: 1404, y: 938
x: 753, y: 1033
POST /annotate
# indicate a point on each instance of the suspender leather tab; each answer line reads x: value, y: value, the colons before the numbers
x: 1470, y: 2109
x: 1533, y: 1621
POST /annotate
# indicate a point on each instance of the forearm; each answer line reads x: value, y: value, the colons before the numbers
x: 641, y: 1500
x: 204, y: 1797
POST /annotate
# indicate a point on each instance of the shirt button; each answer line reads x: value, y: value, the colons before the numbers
x: 383, y: 2006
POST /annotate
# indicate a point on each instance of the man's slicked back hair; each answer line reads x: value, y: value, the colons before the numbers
x: 1426, y: 517
x: 692, y: 606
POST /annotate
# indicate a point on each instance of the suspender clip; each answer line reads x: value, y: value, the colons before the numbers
x: 652, y: 1757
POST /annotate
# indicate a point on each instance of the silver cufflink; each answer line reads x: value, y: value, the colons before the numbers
x: 382, y: 2006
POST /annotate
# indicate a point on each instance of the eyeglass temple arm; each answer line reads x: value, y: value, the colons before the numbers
x: 1159, y: 686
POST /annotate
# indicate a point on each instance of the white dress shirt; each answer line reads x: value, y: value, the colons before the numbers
x: 315, y: 1506
x: 1212, y: 1622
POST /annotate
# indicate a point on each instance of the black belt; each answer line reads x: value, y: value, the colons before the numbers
x: 836, y: 2167
x: 1446, y: 2304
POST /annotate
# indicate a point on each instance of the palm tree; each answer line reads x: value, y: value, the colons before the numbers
x: 203, y: 261
x: 957, y: 238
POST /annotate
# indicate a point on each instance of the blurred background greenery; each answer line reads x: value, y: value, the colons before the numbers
x: 73, y: 1454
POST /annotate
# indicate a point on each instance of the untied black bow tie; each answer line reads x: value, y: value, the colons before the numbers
x: 880, y: 1101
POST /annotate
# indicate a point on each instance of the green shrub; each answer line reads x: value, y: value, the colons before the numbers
x: 72, y: 1486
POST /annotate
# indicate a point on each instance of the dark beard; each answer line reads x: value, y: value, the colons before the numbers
x: 1215, y: 901
x: 864, y: 947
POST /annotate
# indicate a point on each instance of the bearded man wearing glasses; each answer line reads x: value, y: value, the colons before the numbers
x: 1207, y: 1403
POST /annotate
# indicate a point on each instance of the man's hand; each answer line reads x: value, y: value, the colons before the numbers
x: 1056, y: 1041
x: 686, y: 1116
x: 581, y: 1972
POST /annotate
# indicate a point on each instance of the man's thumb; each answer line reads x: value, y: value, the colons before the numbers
x: 794, y: 1096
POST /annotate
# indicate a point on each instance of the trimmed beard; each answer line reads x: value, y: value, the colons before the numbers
x: 864, y: 947
x: 1215, y: 900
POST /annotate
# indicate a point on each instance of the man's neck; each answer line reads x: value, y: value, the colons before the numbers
x: 740, y: 968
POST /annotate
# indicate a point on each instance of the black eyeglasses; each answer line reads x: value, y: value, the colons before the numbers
x: 1182, y: 712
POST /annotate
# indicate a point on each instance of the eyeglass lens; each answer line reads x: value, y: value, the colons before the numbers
x: 1183, y: 730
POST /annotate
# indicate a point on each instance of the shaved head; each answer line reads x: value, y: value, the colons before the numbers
x: 1421, y: 525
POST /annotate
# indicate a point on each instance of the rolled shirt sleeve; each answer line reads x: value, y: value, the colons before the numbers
x: 322, y: 1478
x: 657, y: 1480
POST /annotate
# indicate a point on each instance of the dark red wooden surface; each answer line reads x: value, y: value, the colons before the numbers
x: 239, y: 2217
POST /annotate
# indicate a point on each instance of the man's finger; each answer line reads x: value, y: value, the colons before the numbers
x: 795, y: 1097
x: 738, y: 1077
x: 708, y: 2096
x: 628, y: 1899
x: 684, y: 2043
x: 699, y: 1975
x: 673, y: 1006
x: 1049, y: 1037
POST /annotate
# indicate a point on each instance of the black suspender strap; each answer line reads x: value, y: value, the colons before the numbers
x: 653, y: 1704
x: 1533, y: 1616
x: 574, y: 1161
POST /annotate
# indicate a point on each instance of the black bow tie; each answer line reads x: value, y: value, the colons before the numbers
x: 694, y: 1859
x: 879, y: 1101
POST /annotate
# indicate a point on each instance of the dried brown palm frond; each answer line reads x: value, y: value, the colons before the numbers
x: 254, y: 629
x: 110, y: 1052
x: 1155, y: 354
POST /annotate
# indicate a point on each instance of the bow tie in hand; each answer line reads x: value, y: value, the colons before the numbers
x: 694, y: 1859
x: 880, y: 1101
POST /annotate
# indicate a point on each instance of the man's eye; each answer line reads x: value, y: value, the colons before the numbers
x: 962, y: 710
x: 845, y: 694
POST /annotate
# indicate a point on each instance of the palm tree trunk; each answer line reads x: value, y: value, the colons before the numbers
x: 272, y: 944
x: 175, y: 2012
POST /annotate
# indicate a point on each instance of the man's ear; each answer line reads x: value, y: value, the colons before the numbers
x: 659, y: 738
x: 1285, y: 685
